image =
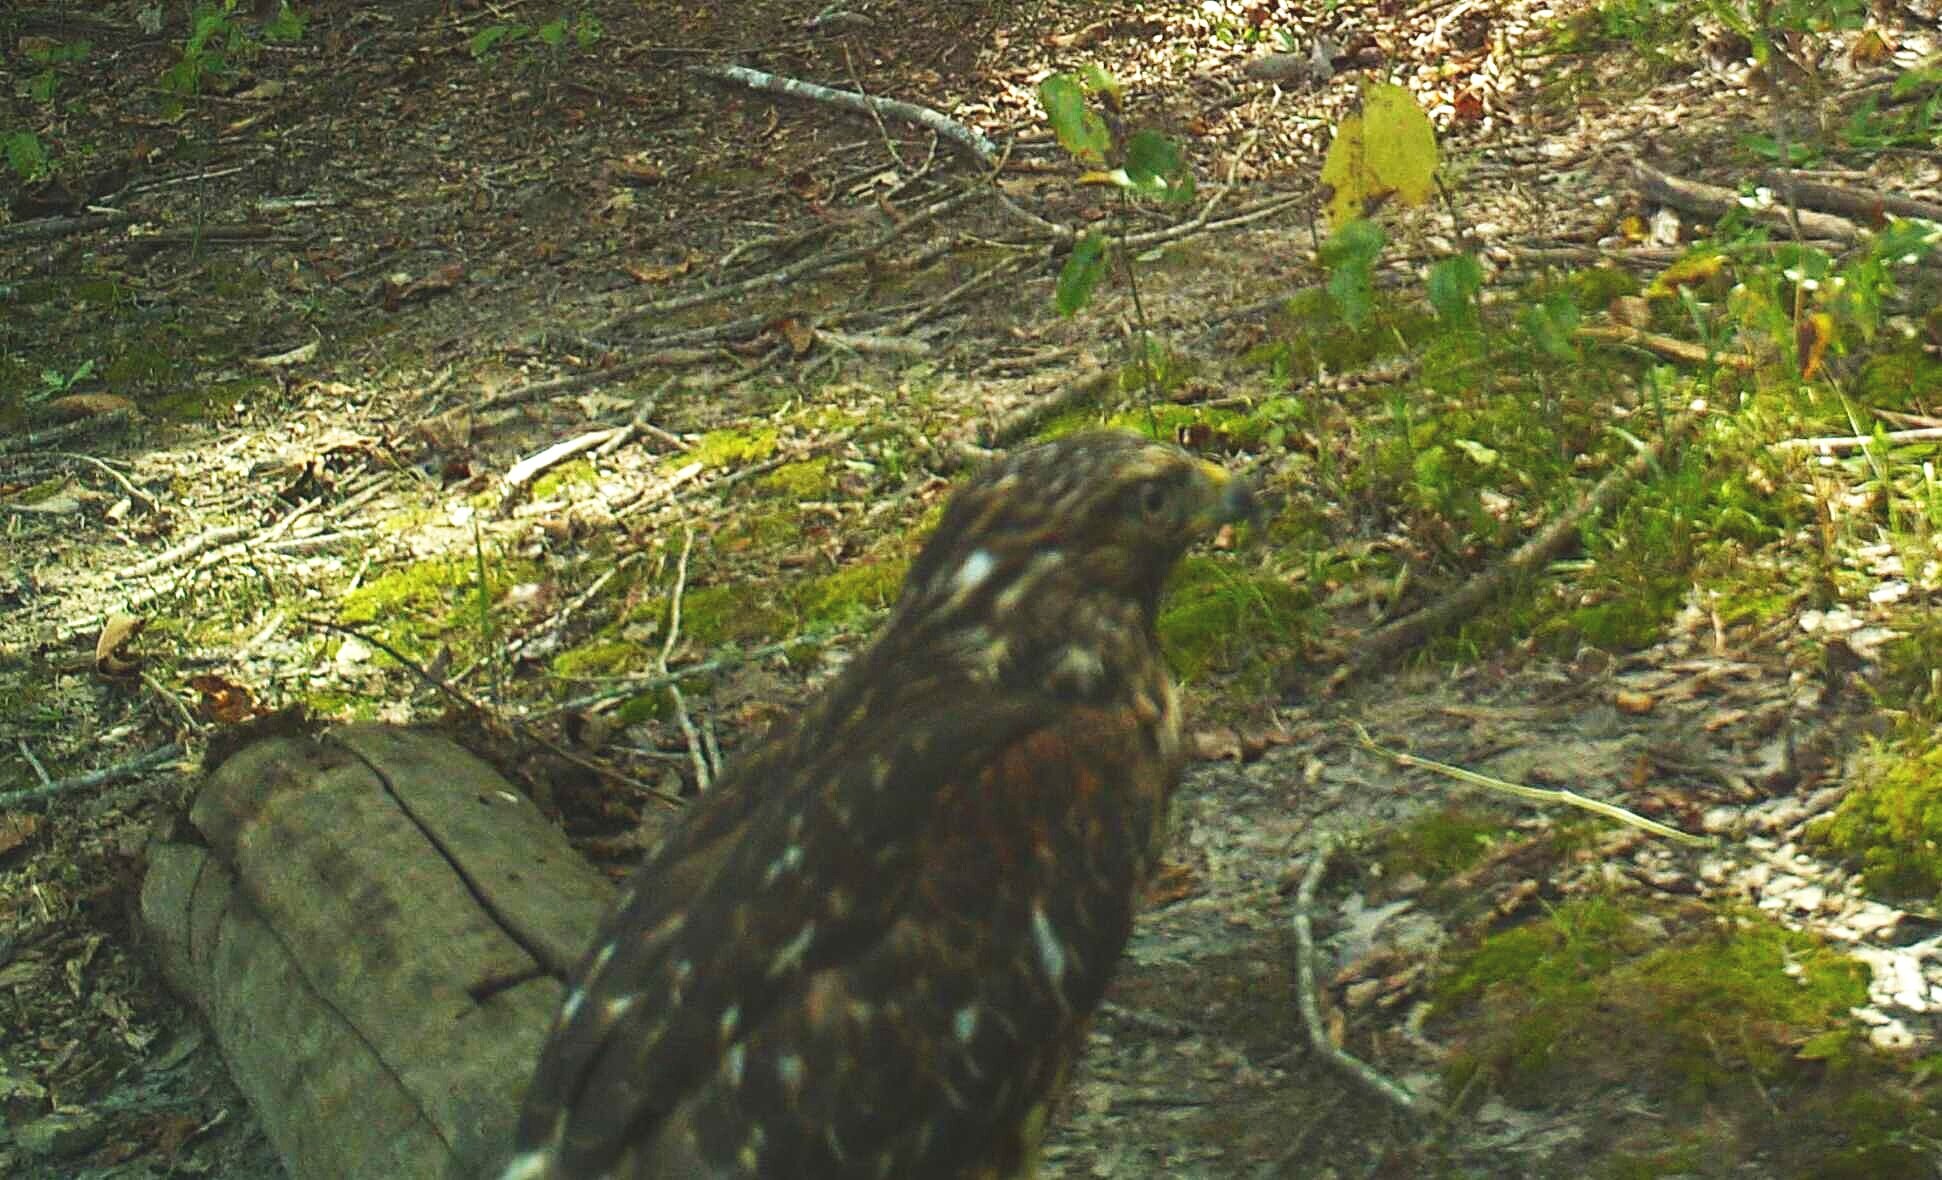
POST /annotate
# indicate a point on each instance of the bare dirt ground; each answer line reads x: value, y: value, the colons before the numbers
x: 363, y: 273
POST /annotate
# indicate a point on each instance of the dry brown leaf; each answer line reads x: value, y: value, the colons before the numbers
x: 16, y: 828
x: 1812, y: 335
x: 76, y: 406
x: 795, y: 330
x: 635, y: 170
x: 1870, y: 49
x: 659, y: 274
x: 223, y: 701
x: 1173, y: 882
x: 110, y: 655
x: 1220, y: 744
x: 1631, y: 701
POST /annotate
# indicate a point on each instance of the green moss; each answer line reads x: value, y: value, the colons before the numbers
x: 851, y: 593
x: 1911, y: 669
x: 577, y: 473
x: 1314, y: 336
x: 755, y: 527
x: 1594, y: 288
x: 600, y: 658
x: 211, y: 400
x: 1218, y: 618
x: 137, y: 366
x: 1595, y: 994
x: 1890, y: 824
x: 1439, y: 844
x: 339, y: 705
x: 728, y: 448
x: 808, y: 480
x: 712, y: 615
x: 1903, y: 379
x: 430, y: 600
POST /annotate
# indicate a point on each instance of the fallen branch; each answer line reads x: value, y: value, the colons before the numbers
x: 94, y: 778
x: 1307, y: 993
x: 42, y: 439
x: 58, y: 227
x: 1710, y: 200
x: 1379, y: 646
x: 1670, y: 347
x: 1837, y: 443
x: 1871, y: 208
x: 967, y: 138
x: 526, y: 470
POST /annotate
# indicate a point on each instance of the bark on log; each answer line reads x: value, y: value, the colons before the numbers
x: 376, y: 930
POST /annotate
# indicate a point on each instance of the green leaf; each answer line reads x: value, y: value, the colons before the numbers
x: 1156, y: 167
x: 1386, y: 151
x: 41, y: 86
x: 25, y: 154
x: 1453, y: 286
x: 553, y: 33
x: 1350, y: 255
x: 286, y: 25
x: 1549, y: 325
x: 488, y: 38
x: 1081, y: 274
x: 1919, y: 78
x: 1081, y: 132
x: 1479, y: 454
x: 1098, y: 81
x: 1824, y: 1046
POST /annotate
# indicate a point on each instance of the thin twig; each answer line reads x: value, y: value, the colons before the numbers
x: 1384, y: 643
x: 636, y: 686
x: 1308, y: 993
x: 95, y: 778
x: 703, y: 778
x: 452, y: 694
x: 802, y: 268
x: 1535, y: 794
x: 133, y: 491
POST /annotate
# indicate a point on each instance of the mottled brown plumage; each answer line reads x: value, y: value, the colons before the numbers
x: 871, y: 950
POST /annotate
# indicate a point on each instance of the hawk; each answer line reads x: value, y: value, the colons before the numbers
x: 871, y: 950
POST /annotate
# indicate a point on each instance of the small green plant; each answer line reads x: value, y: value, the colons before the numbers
x: 1349, y: 256
x: 221, y: 41
x: 1149, y: 165
x: 54, y: 383
x: 1911, y: 121
x: 25, y: 155
x: 582, y: 28
x: 42, y: 86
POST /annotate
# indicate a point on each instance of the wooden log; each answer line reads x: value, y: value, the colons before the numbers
x: 376, y: 929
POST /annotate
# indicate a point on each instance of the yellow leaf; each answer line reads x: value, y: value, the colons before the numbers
x: 1384, y: 152
x: 1812, y: 335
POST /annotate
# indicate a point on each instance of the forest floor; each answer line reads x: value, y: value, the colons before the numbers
x: 298, y: 313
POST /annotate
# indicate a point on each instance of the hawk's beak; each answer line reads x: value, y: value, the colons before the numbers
x: 1229, y: 498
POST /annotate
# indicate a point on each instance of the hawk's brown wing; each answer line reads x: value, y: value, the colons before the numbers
x: 877, y: 957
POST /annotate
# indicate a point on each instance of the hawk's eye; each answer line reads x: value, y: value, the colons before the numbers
x: 1155, y: 498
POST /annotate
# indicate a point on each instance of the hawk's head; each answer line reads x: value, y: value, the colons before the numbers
x: 1047, y: 566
